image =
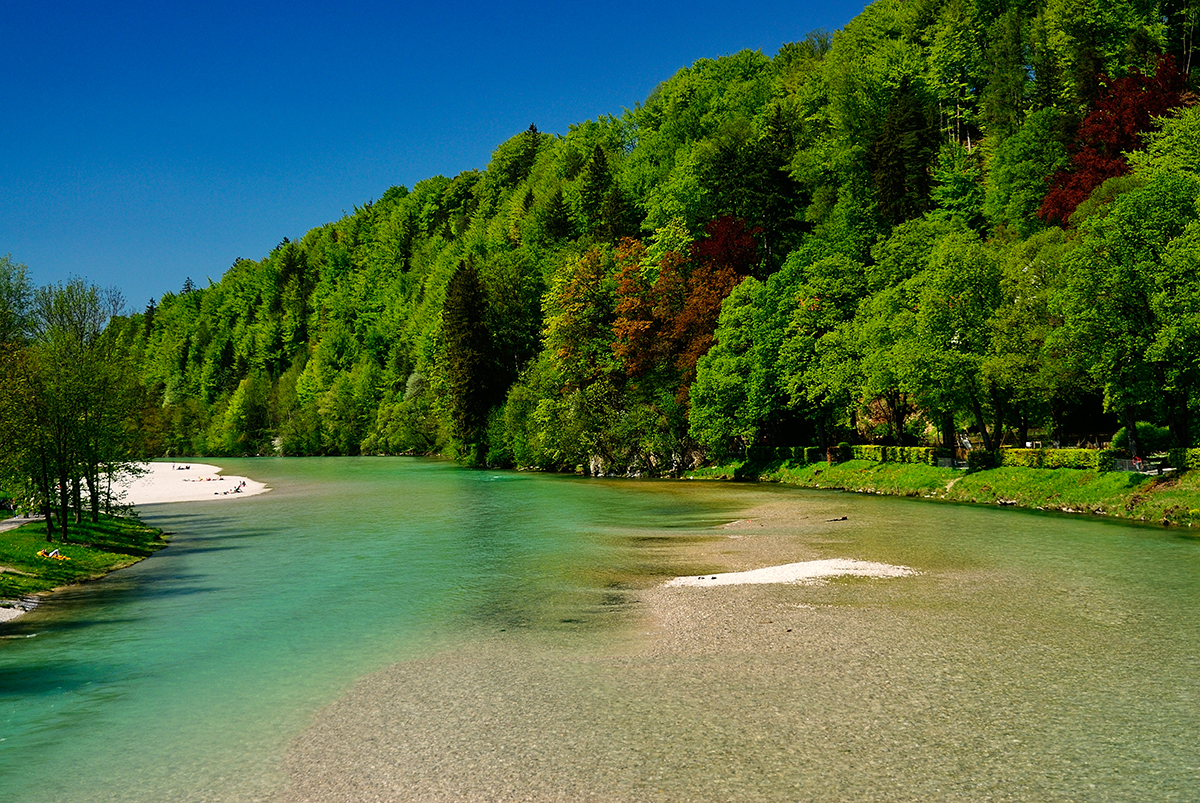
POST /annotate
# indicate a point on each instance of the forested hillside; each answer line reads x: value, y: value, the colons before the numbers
x: 949, y: 216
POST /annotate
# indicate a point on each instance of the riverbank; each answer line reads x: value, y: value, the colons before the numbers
x: 1170, y: 500
x: 95, y: 549
x: 187, y: 482
x: 113, y: 543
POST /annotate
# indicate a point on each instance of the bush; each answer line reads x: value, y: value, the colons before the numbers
x: 895, y: 454
x: 1152, y: 438
x: 978, y: 460
x: 1183, y: 458
x: 842, y: 452
x: 810, y: 454
x: 876, y: 454
x: 1050, y: 458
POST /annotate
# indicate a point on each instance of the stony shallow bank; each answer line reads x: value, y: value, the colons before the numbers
x: 707, y: 675
x: 1169, y: 500
x: 978, y: 677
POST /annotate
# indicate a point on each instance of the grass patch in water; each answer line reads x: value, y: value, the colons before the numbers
x: 1170, y: 499
x: 94, y: 551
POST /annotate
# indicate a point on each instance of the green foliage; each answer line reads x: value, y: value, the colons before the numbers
x: 1184, y: 458
x: 468, y: 355
x: 1021, y: 166
x: 1051, y: 458
x: 1174, y: 148
x: 15, y: 300
x: 578, y: 304
x: 1150, y: 437
x: 980, y: 460
x: 895, y: 454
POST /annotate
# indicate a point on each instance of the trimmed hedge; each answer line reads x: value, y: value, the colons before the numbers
x: 978, y: 460
x: 1051, y: 458
x: 810, y: 454
x: 799, y: 454
x: 1183, y: 458
x: 895, y: 454
x: 1089, y: 459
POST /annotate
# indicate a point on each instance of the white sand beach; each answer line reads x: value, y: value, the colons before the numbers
x: 804, y: 572
x: 188, y: 482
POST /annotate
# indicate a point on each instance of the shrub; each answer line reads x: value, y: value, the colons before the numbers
x: 876, y: 454
x: 1050, y: 458
x: 1183, y: 458
x: 978, y: 460
x: 843, y: 451
x: 1151, y: 437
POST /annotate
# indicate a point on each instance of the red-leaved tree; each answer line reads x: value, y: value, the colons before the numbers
x: 666, y: 317
x: 1125, y: 109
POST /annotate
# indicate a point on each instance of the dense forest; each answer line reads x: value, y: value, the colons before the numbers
x: 950, y: 218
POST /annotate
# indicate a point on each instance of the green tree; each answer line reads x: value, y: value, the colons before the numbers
x: 1108, y: 301
x: 15, y: 299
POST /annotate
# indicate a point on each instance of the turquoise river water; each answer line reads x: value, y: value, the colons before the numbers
x: 1034, y: 657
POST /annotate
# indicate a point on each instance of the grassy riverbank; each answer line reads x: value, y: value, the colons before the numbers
x: 94, y: 551
x: 1173, y: 499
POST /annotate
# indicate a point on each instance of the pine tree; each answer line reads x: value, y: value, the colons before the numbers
x: 556, y: 217
x: 468, y: 355
x: 902, y: 155
x: 604, y: 209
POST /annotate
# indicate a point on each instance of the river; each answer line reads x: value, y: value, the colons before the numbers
x: 396, y: 628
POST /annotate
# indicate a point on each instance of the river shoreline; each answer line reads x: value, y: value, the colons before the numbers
x: 840, y: 676
x: 1170, y: 500
x: 159, y: 483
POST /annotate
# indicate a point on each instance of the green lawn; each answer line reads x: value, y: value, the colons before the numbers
x: 1173, y: 499
x: 94, y: 549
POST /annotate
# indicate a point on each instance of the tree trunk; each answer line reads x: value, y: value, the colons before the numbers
x: 1135, y: 448
x: 1179, y: 420
x: 46, y: 500
x: 77, y: 500
x: 980, y: 421
x: 948, y: 431
x: 64, y: 504
x: 998, y: 419
x: 895, y: 403
x: 48, y: 513
x: 93, y: 485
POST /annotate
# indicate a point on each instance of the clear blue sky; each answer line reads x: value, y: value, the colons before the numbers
x: 145, y: 142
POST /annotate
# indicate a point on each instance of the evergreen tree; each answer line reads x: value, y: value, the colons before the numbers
x: 901, y: 156
x: 556, y: 217
x: 467, y: 357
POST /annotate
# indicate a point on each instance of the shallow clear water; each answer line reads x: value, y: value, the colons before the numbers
x: 1036, y: 657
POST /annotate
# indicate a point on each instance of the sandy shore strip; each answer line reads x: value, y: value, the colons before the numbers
x: 187, y: 482
x: 808, y: 571
x: 11, y: 609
